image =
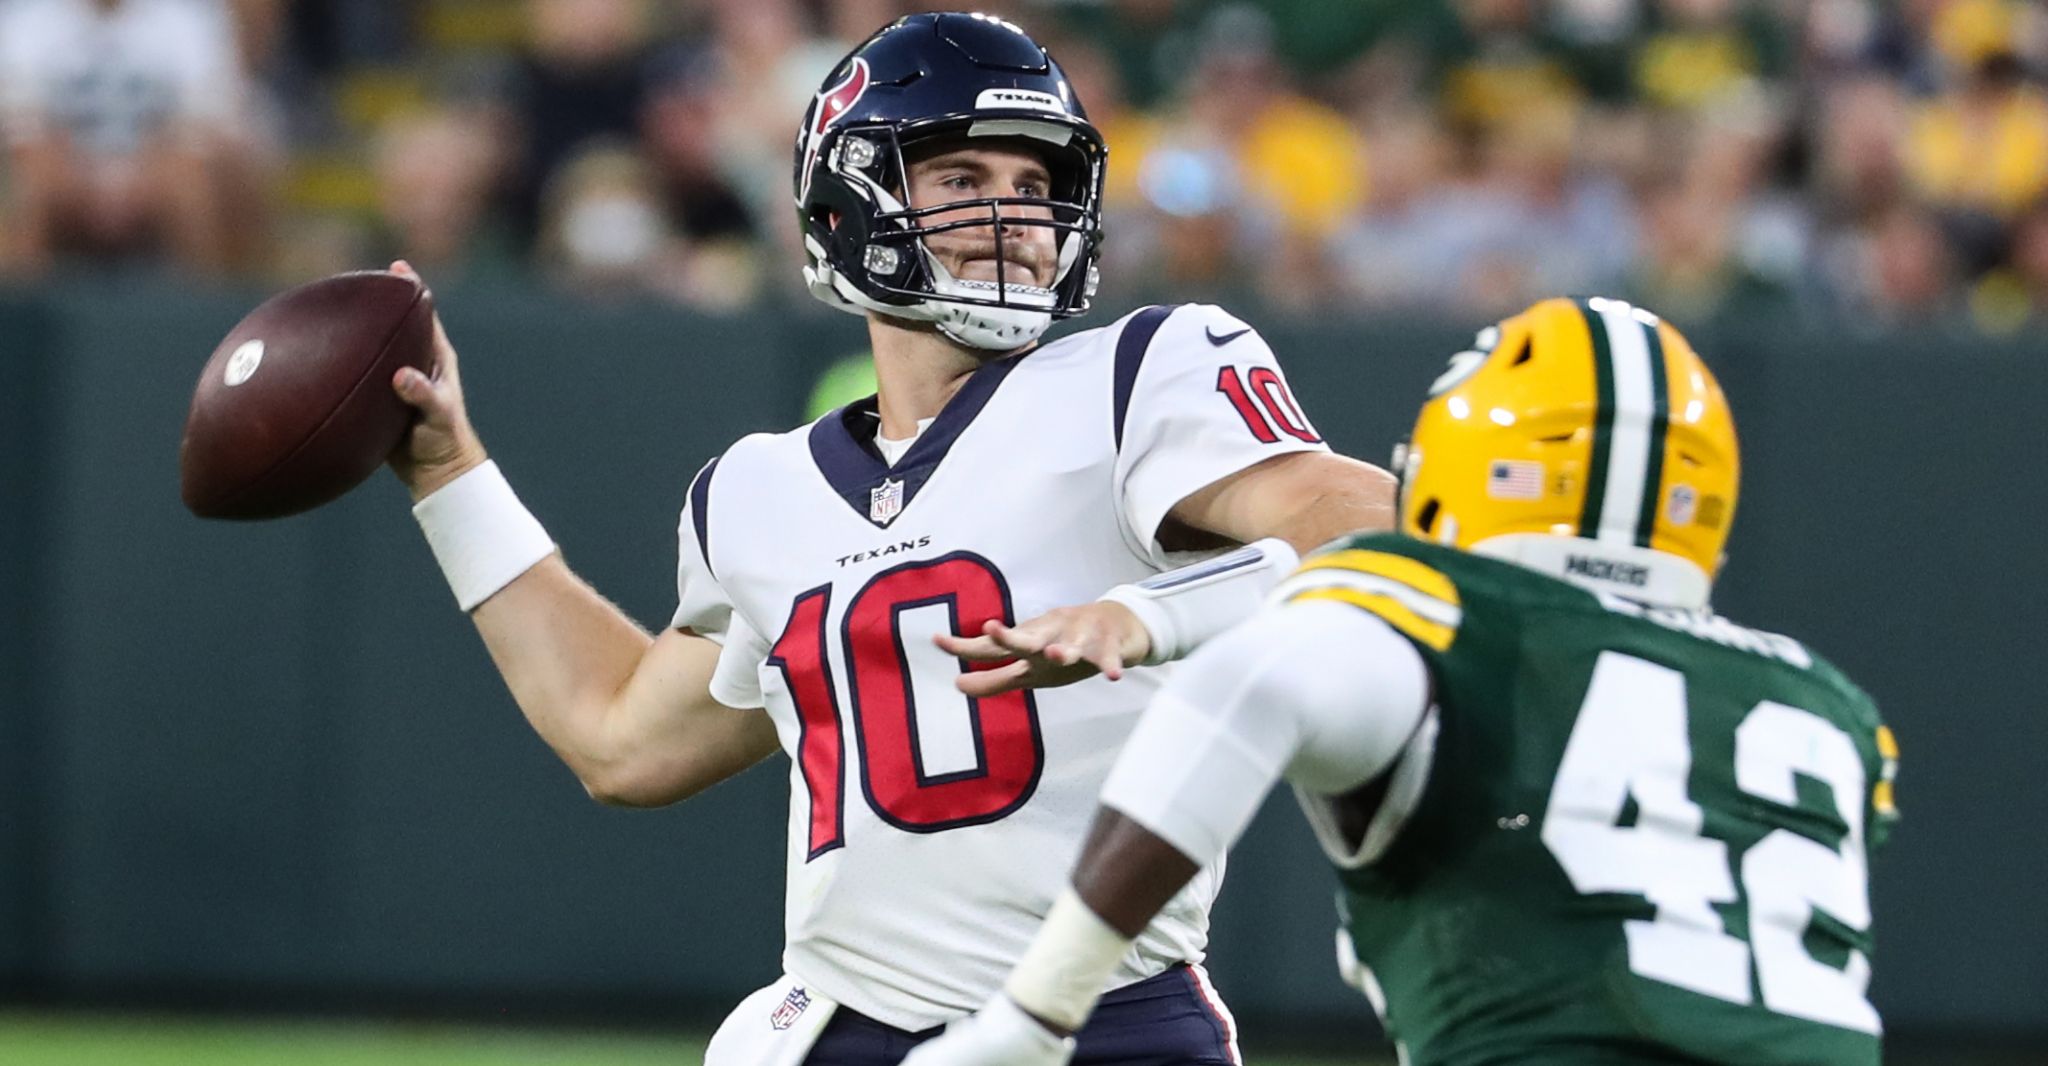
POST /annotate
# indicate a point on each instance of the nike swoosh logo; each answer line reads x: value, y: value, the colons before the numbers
x: 1226, y: 338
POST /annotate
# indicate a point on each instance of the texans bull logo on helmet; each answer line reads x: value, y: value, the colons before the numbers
x: 835, y: 101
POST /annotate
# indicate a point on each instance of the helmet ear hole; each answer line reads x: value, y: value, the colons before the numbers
x: 1425, y: 517
x: 1528, y: 349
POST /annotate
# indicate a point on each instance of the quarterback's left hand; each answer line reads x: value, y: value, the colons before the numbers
x: 1059, y: 647
x: 1000, y: 1034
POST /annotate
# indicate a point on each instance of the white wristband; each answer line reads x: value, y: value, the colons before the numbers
x: 481, y: 534
x: 1062, y: 973
x: 1003, y: 1028
x: 1182, y: 608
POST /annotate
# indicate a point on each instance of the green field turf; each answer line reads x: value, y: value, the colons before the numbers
x: 141, y: 1040
x: 29, y: 1039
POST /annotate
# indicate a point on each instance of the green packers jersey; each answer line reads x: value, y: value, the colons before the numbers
x: 1624, y: 835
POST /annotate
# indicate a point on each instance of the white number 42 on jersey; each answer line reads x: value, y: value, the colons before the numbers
x: 1630, y: 739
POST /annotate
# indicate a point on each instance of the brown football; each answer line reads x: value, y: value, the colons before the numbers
x: 296, y: 407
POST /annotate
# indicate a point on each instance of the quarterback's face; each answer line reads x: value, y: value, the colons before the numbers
x: 964, y: 173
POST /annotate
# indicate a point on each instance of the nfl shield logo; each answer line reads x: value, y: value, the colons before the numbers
x: 792, y: 1007
x: 886, y: 502
x: 1683, y: 505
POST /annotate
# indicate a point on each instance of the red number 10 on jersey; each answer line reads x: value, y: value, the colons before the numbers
x: 1262, y: 400
x: 882, y: 703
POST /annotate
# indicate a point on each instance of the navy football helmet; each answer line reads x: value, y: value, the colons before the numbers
x: 945, y: 75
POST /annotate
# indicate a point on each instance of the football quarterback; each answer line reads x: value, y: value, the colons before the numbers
x: 931, y: 598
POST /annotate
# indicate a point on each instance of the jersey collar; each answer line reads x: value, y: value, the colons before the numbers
x: 843, y: 446
x: 1630, y: 571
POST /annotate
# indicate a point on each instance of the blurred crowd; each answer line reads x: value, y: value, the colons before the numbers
x: 1879, y: 161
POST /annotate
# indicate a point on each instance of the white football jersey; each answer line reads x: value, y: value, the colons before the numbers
x: 929, y: 833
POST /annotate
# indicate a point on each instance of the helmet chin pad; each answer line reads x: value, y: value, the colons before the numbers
x: 981, y: 326
x: 998, y: 329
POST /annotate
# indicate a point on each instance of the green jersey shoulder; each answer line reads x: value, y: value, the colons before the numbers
x: 1634, y: 829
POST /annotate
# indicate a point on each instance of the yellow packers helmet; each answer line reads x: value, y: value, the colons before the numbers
x: 1585, y: 439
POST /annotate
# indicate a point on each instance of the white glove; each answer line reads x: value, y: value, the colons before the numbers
x: 999, y: 1034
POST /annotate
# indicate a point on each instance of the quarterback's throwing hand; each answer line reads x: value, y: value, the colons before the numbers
x: 1000, y: 1034
x: 1059, y: 647
x: 441, y: 445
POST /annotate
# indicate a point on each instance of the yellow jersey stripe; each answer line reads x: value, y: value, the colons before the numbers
x: 1429, y: 608
x: 1416, y: 575
x: 1389, y: 610
x: 1888, y: 750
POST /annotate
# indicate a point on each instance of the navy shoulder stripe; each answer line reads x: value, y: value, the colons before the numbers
x: 1130, y: 354
x: 700, y: 507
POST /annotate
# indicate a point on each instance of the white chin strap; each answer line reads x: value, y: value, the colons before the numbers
x: 995, y: 328
x: 977, y: 326
x: 1632, y: 572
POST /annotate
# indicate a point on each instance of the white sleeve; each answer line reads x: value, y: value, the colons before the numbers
x: 704, y: 607
x: 736, y: 680
x: 702, y: 604
x: 1205, y: 400
x: 1321, y: 693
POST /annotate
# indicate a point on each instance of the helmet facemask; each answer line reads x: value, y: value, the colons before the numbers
x: 869, y: 250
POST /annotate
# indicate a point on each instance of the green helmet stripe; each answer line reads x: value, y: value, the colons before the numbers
x: 1660, y: 431
x: 1631, y: 396
x: 1603, y: 421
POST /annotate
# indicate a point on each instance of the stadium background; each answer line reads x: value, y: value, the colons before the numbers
x: 268, y: 770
